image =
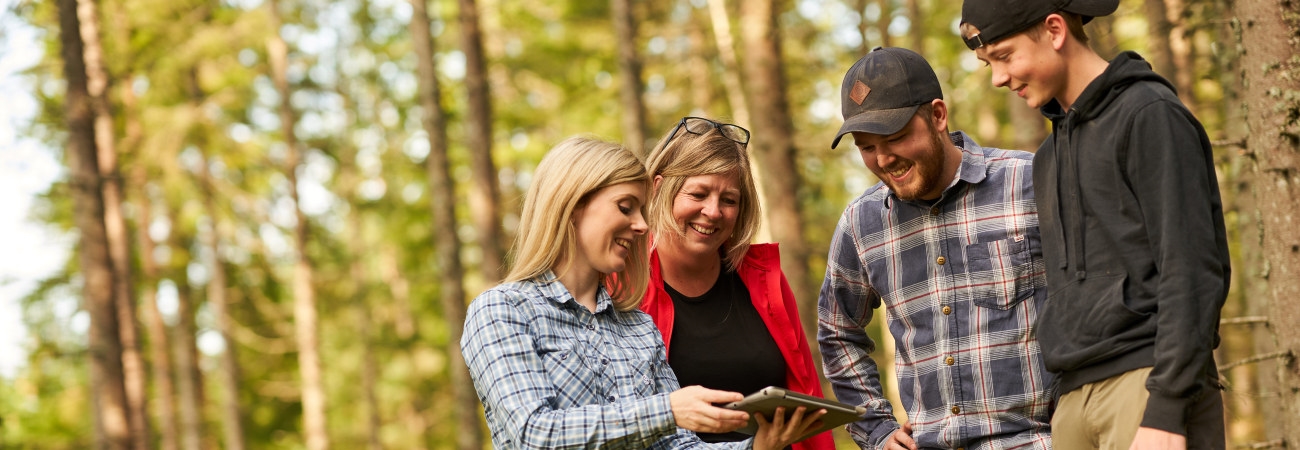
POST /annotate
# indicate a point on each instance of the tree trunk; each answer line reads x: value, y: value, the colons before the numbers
x: 1270, y: 79
x: 773, y: 146
x: 108, y: 393
x: 629, y: 69
x: 1028, y: 125
x: 735, y: 90
x: 485, y: 196
x: 349, y: 179
x: 1159, y: 53
x: 916, y: 32
x: 863, y: 27
x: 1180, y: 48
x: 700, y: 65
x: 469, y: 433
x: 886, y: 17
x: 97, y: 83
x: 189, y: 379
x: 730, y: 63
x: 304, y: 292
x: 155, y: 327
x: 219, y: 300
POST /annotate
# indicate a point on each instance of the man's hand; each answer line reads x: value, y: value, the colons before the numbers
x: 901, y: 439
x: 1152, y: 438
x: 779, y: 433
x: 693, y: 410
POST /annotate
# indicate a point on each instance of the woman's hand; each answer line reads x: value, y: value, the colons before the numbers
x: 780, y: 433
x: 693, y: 410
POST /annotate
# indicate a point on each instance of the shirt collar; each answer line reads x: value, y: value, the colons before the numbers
x: 551, y: 287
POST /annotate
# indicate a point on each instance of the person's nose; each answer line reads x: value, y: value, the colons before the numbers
x: 885, y: 156
x: 639, y: 225
x: 710, y: 207
x: 1000, y: 77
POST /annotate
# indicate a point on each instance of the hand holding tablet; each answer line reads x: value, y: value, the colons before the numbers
x: 766, y: 401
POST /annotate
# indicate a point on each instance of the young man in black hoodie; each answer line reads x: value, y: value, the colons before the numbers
x: 1132, y: 229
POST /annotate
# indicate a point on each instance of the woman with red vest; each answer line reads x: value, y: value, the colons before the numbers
x: 726, y: 312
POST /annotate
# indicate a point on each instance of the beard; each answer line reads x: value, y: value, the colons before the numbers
x: 928, y: 171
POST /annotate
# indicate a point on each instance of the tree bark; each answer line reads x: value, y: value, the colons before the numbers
x: 115, y: 227
x: 1180, y: 48
x: 189, y: 379
x: 1159, y: 53
x: 916, y: 32
x: 231, y: 411
x: 700, y: 65
x: 886, y: 18
x: 304, y: 292
x: 629, y: 70
x: 1271, y: 79
x: 485, y: 196
x: 773, y: 145
x: 110, y: 406
x: 1028, y: 125
x: 732, y: 85
x: 155, y: 327
x: 446, y: 243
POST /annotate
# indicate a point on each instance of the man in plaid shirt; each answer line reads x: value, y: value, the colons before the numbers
x: 948, y: 241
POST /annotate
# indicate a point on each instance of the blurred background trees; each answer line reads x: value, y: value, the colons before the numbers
x: 282, y: 207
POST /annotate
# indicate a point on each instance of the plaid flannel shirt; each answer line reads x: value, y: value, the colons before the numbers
x: 962, y: 281
x: 552, y: 374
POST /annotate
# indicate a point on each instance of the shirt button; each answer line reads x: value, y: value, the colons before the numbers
x: 947, y: 310
x: 955, y: 410
x: 591, y: 326
x: 611, y: 399
x: 949, y: 360
x: 606, y: 361
x: 941, y: 260
x: 934, y: 211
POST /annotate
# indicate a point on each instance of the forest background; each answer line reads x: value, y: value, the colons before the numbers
x: 267, y: 216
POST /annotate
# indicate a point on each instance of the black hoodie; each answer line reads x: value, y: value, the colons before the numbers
x: 1133, y: 237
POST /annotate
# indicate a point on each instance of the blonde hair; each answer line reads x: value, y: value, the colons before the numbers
x: 563, y: 182
x: 688, y: 155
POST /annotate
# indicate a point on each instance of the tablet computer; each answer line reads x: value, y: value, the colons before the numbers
x: 766, y: 401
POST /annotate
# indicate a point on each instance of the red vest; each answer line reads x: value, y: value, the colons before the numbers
x: 760, y: 270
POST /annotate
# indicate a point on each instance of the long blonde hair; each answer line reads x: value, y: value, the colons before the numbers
x: 563, y: 182
x: 689, y: 155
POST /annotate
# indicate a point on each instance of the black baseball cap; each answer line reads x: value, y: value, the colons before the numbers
x: 996, y: 19
x: 882, y: 91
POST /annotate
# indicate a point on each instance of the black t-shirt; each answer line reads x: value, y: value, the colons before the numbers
x: 720, y: 342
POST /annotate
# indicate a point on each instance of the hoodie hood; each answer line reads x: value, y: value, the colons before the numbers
x: 1127, y: 68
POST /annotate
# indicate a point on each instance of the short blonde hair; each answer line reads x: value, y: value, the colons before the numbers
x: 563, y: 182
x: 687, y: 155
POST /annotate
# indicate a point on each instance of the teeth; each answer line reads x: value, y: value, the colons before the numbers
x: 703, y: 230
x: 898, y: 172
x: 623, y: 243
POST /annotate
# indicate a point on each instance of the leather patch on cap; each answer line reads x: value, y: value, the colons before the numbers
x: 859, y: 92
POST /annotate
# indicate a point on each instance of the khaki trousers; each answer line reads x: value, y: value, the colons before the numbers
x: 1105, y: 415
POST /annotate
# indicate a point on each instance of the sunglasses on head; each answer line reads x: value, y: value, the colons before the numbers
x: 701, y: 126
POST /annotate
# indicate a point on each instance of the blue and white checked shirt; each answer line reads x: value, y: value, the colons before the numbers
x: 954, y: 277
x: 552, y: 374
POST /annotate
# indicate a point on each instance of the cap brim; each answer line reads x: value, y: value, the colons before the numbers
x: 882, y: 122
x: 1092, y: 8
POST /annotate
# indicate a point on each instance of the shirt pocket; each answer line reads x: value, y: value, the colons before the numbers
x: 1000, y: 272
x: 574, y: 377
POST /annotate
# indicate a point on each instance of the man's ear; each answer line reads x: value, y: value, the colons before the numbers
x: 939, y: 114
x: 1056, y: 29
